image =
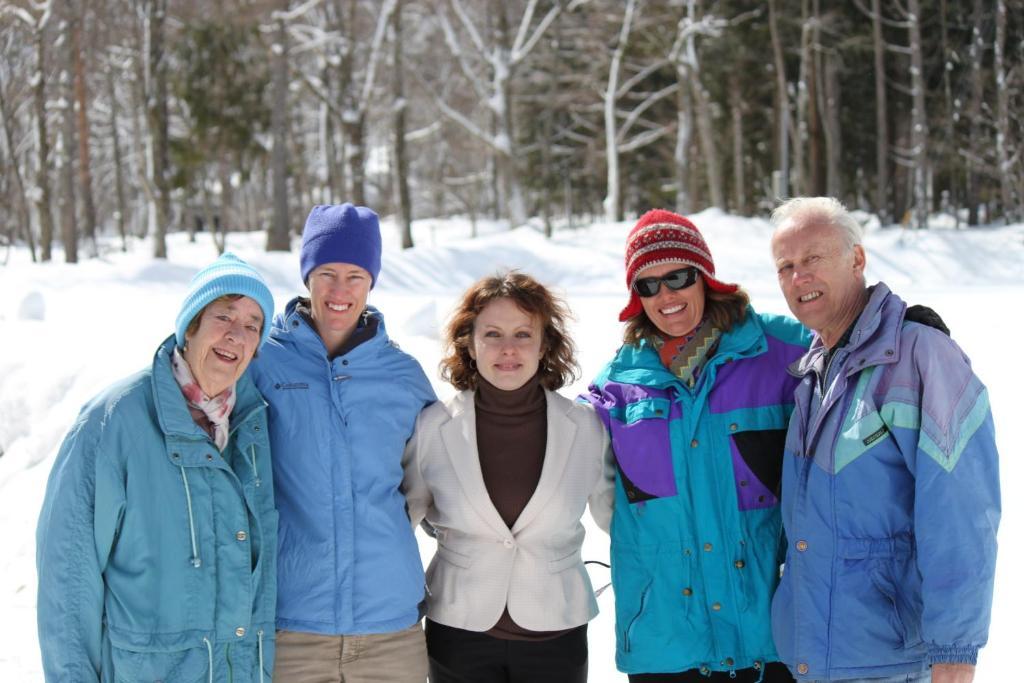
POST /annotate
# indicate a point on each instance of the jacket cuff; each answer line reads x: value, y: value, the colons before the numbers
x: 952, y: 654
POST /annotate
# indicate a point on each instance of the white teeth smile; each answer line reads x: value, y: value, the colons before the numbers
x: 340, y: 308
x: 809, y: 297
x: 225, y: 354
x: 672, y: 309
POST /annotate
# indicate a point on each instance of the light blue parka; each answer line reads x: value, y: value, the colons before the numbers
x: 156, y: 552
x: 890, y: 500
x: 348, y: 562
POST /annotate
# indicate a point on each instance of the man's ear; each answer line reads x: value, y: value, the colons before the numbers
x: 860, y: 258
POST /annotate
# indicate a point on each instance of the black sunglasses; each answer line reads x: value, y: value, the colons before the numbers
x: 675, y: 280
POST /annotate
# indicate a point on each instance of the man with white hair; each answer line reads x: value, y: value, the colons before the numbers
x: 890, y: 487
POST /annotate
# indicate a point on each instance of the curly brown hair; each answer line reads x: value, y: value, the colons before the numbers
x: 558, y: 365
x: 723, y: 310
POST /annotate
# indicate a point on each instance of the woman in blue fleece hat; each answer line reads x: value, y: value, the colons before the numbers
x: 157, y: 542
x: 343, y: 402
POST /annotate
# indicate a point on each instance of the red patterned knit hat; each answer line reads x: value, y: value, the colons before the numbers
x: 664, y: 237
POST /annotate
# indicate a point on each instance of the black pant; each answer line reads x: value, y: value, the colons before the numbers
x: 458, y: 656
x: 775, y: 672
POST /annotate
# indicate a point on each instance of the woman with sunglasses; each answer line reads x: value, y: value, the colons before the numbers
x: 696, y: 403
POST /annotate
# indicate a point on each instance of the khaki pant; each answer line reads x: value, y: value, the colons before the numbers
x: 398, y: 657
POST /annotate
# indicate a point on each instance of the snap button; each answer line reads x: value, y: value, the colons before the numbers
x: 733, y: 427
x: 716, y: 606
x: 802, y: 668
x: 508, y: 543
x: 801, y: 545
x: 175, y: 455
x: 889, y: 352
x: 240, y: 631
x: 255, y: 428
x: 241, y: 535
x: 295, y: 323
x: 694, y: 443
x: 743, y: 482
x: 344, y: 362
x: 728, y: 661
x: 209, y: 456
x: 739, y: 564
x: 707, y: 547
x: 705, y: 671
x: 687, y: 592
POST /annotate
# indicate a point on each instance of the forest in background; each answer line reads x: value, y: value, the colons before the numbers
x: 132, y: 118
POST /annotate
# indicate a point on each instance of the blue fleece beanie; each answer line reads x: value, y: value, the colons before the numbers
x: 341, y: 233
x: 227, y: 275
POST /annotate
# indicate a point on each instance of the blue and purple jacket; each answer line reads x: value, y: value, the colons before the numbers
x: 695, y: 536
x: 890, y: 499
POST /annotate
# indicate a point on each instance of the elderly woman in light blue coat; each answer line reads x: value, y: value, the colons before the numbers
x: 157, y: 542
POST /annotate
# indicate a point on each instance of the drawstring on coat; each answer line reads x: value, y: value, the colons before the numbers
x: 196, y: 562
x: 209, y: 654
x: 252, y: 462
x: 260, y: 648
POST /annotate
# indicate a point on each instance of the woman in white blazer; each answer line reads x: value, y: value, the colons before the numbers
x: 502, y: 474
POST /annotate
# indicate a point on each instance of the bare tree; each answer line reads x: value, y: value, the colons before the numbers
x: 612, y: 205
x: 279, y: 236
x: 782, y: 105
x: 77, y: 17
x: 157, y: 154
x: 399, y: 106
x: 918, y: 117
x: 1005, y: 158
x: 65, y: 154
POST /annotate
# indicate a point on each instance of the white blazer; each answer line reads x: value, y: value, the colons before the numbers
x: 481, y: 565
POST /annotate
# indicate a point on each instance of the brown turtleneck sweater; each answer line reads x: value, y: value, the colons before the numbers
x: 511, y: 435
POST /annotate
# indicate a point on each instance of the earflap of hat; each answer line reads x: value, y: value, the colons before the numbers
x: 632, y: 309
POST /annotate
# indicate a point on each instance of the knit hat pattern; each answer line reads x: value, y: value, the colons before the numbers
x: 227, y: 275
x: 341, y: 233
x: 659, y: 237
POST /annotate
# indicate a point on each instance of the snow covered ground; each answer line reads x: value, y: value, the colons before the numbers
x: 68, y: 331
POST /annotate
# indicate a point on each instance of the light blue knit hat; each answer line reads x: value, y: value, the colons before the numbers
x: 227, y: 275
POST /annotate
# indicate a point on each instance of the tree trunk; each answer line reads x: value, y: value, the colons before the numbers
x: 781, y: 103
x: 801, y: 174
x: 82, y: 122
x: 1004, y: 157
x: 919, y: 118
x: 738, y: 184
x: 23, y: 217
x: 684, y: 135
x: 828, y: 105
x: 157, y: 120
x: 68, y: 219
x: 43, y: 202
x: 951, y: 158
x: 403, y: 204
x: 279, y: 237
x: 115, y: 144
x: 882, y: 204
x: 814, y: 161
x: 612, y: 205
x: 978, y: 142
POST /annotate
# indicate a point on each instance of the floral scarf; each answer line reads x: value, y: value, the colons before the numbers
x: 216, y: 410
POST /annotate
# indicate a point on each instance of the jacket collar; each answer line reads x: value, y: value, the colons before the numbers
x: 459, y: 438
x: 874, y: 339
x: 641, y: 364
x: 292, y: 327
x: 171, y: 408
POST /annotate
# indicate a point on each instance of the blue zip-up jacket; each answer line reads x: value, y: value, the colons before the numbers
x: 695, y: 533
x: 156, y: 553
x: 348, y: 561
x: 890, y: 499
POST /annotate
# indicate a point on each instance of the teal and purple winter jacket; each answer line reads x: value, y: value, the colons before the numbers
x: 890, y: 499
x: 695, y: 536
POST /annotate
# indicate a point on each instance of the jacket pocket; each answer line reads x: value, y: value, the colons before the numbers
x: 181, y: 666
x: 643, y: 449
x: 630, y: 628
x: 567, y: 562
x: 452, y: 557
x: 757, y: 467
